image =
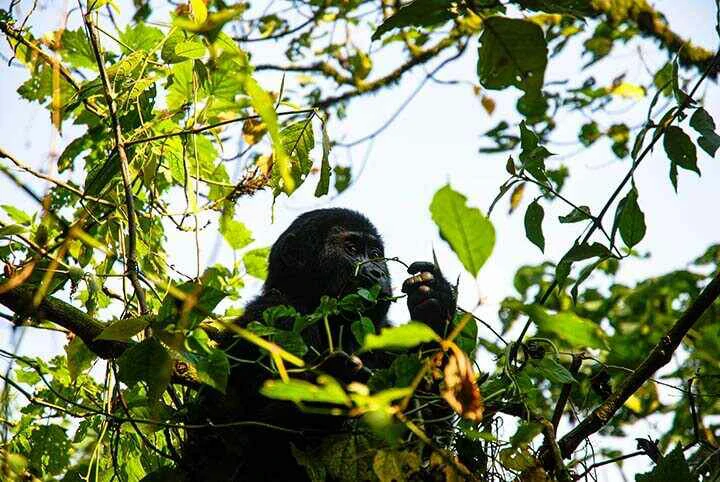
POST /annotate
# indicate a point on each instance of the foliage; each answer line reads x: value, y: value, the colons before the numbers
x: 161, y: 107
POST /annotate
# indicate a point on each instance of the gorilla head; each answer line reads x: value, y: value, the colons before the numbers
x: 329, y: 252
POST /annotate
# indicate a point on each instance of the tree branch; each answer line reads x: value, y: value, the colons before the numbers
x: 651, y: 23
x: 20, y: 301
x: 658, y: 357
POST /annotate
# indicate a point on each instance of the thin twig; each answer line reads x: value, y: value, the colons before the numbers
x: 131, y: 266
x: 46, y: 177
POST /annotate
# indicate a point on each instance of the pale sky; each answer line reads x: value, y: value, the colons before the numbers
x: 433, y: 141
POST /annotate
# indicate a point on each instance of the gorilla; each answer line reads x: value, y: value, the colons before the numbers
x: 325, y: 252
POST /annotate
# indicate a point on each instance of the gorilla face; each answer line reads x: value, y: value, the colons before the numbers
x: 354, y: 259
x: 329, y: 252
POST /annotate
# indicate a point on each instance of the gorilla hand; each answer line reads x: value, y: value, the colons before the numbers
x: 431, y: 299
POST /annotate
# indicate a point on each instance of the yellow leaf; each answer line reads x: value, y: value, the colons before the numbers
x: 459, y: 387
x: 516, y: 197
x: 253, y: 130
x: 199, y: 11
x: 627, y: 90
x: 265, y: 163
x: 634, y: 403
x: 488, y: 104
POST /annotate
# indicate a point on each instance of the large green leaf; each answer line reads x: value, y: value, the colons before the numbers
x: 298, y: 140
x: 470, y: 234
x: 419, y: 13
x: 513, y: 52
x: 576, y: 331
x: 148, y: 362
x: 234, y: 232
x: 400, y: 337
x: 327, y: 390
x: 50, y: 449
x: 123, y: 330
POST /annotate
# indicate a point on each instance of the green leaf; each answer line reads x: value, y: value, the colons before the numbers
x: 525, y: 434
x: 672, y: 466
x: 470, y: 234
x: 140, y: 36
x: 703, y: 123
x: 17, y: 215
x: 395, y: 465
x: 263, y: 105
x: 201, y: 300
x: 419, y: 13
x: 49, y: 449
x: 533, y: 155
x: 578, y: 8
x: 190, y: 49
x: 400, y: 337
x: 324, y: 183
x: 512, y: 52
x: 256, y: 262
x: 578, y: 252
x: 680, y: 149
x: 79, y: 357
x: 290, y: 341
x: 123, y: 330
x: 298, y: 140
x: 343, y: 177
x: 76, y: 49
x: 12, y: 229
x: 100, y: 178
x: 327, y: 390
x: 576, y: 331
x: 581, y: 213
x: 533, y: 224
x: 630, y: 219
x: 362, y: 328
x: 148, y: 362
x: 549, y: 368
x: 234, y: 232
x: 211, y: 364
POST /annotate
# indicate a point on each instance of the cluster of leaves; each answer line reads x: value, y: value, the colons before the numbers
x: 158, y: 109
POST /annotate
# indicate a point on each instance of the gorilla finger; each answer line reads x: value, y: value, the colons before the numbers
x: 419, y: 266
x: 423, y: 277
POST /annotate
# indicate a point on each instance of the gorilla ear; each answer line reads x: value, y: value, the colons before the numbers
x: 291, y: 254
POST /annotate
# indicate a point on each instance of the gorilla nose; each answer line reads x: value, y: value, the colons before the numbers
x: 373, y: 272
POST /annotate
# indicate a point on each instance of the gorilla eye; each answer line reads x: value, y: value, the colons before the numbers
x: 375, y: 253
x: 351, y: 248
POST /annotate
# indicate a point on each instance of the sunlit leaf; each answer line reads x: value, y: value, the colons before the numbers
x: 578, y: 332
x: 470, y: 234
x: 123, y: 329
x: 400, y: 337
x: 327, y: 390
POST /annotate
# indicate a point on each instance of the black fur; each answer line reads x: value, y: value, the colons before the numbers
x: 323, y: 252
